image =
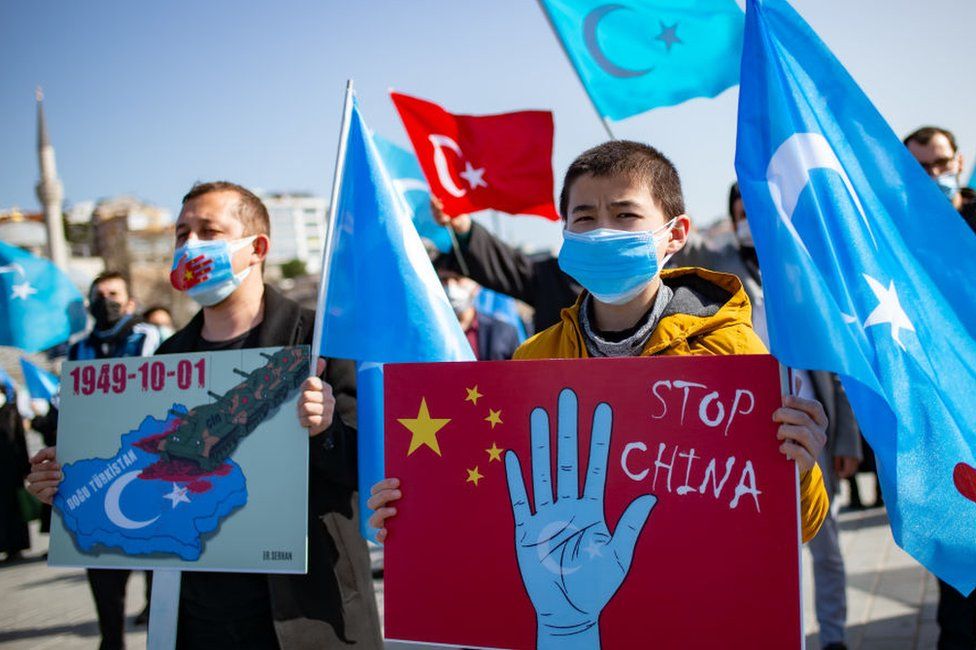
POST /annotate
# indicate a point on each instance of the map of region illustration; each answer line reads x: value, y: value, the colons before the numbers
x: 141, y: 503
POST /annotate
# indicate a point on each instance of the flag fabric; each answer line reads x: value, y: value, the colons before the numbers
x: 383, y: 303
x: 41, y: 384
x: 502, y: 307
x: 857, y: 282
x: 637, y: 55
x: 501, y: 162
x: 408, y: 179
x: 6, y: 383
x: 39, y: 307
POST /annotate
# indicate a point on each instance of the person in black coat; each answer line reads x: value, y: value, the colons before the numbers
x: 536, y: 280
x: 14, y: 467
x: 333, y: 605
x: 491, y: 339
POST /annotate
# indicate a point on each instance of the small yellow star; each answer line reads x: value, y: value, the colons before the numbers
x: 473, y: 395
x: 494, y: 453
x: 188, y: 275
x: 474, y: 476
x: 495, y: 417
x: 424, y: 429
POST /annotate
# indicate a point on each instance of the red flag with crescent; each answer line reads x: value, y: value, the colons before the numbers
x: 479, y: 162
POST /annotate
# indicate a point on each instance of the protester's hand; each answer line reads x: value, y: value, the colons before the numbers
x: 845, y: 466
x: 45, y: 475
x: 316, y: 404
x: 802, y: 430
x: 571, y: 564
x: 381, y: 494
x: 460, y: 223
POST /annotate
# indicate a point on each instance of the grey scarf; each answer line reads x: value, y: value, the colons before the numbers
x: 631, y: 346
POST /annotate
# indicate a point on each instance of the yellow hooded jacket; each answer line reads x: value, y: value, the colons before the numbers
x: 709, y: 314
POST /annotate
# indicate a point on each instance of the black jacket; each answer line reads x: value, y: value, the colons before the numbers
x: 333, y: 604
x: 536, y: 281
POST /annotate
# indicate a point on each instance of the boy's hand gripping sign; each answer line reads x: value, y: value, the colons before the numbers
x: 614, y: 503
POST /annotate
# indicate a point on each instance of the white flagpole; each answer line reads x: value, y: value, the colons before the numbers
x: 330, y: 222
x: 603, y: 120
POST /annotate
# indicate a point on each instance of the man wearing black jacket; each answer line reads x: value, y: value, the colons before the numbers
x: 332, y: 606
x: 535, y: 280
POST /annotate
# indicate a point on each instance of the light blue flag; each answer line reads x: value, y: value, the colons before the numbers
x: 867, y: 271
x: 7, y: 384
x: 41, y: 384
x: 972, y: 178
x: 502, y: 307
x: 39, y: 307
x: 384, y: 303
x: 636, y: 55
x: 408, y: 179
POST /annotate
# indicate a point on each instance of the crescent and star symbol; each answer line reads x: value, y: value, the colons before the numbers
x: 668, y: 35
x: 20, y: 291
x: 788, y: 174
x: 112, y: 509
x: 473, y: 175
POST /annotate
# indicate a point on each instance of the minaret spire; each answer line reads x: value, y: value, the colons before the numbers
x: 49, y: 190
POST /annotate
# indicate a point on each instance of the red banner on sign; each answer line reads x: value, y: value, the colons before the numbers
x: 480, y: 162
x: 615, y: 503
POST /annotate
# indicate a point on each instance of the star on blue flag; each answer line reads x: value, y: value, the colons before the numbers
x: 855, y: 281
x: 39, y: 307
x: 630, y: 57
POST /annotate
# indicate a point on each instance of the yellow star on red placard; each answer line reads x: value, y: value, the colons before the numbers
x: 473, y: 395
x: 494, y: 453
x: 188, y: 275
x: 424, y: 429
x: 495, y: 417
x: 474, y: 476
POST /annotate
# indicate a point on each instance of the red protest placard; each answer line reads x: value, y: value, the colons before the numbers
x: 613, y: 503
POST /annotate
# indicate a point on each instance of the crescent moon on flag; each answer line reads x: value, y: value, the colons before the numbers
x: 789, y: 169
x: 112, y: 509
x: 590, y: 24
x: 440, y: 163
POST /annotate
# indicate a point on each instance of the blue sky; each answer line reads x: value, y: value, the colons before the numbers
x: 146, y: 98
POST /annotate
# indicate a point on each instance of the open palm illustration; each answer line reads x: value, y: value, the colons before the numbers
x: 571, y: 564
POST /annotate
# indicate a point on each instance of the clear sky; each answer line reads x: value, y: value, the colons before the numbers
x: 148, y: 97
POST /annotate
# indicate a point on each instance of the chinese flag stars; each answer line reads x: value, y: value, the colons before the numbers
x: 474, y: 476
x: 424, y: 429
x: 494, y: 453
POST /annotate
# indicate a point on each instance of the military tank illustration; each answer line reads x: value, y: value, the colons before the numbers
x: 208, y: 434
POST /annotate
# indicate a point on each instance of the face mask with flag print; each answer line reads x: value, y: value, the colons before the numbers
x: 613, y: 265
x: 205, y: 269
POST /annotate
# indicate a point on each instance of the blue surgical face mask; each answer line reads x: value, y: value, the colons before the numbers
x: 613, y: 265
x: 948, y: 183
x: 205, y: 269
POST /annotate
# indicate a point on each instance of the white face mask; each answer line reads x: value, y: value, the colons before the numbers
x: 3, y: 398
x: 744, y: 233
x: 460, y: 298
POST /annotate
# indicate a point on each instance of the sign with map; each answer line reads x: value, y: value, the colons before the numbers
x: 185, y: 461
x: 614, y: 503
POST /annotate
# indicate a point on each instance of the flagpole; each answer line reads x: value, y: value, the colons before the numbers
x: 603, y: 120
x: 458, y: 255
x: 330, y: 221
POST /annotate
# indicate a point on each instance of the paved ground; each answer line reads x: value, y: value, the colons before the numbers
x: 891, y: 599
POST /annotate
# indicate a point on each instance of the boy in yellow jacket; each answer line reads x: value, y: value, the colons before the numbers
x: 623, y: 215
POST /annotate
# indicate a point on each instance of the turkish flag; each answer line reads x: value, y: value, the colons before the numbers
x: 501, y: 162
